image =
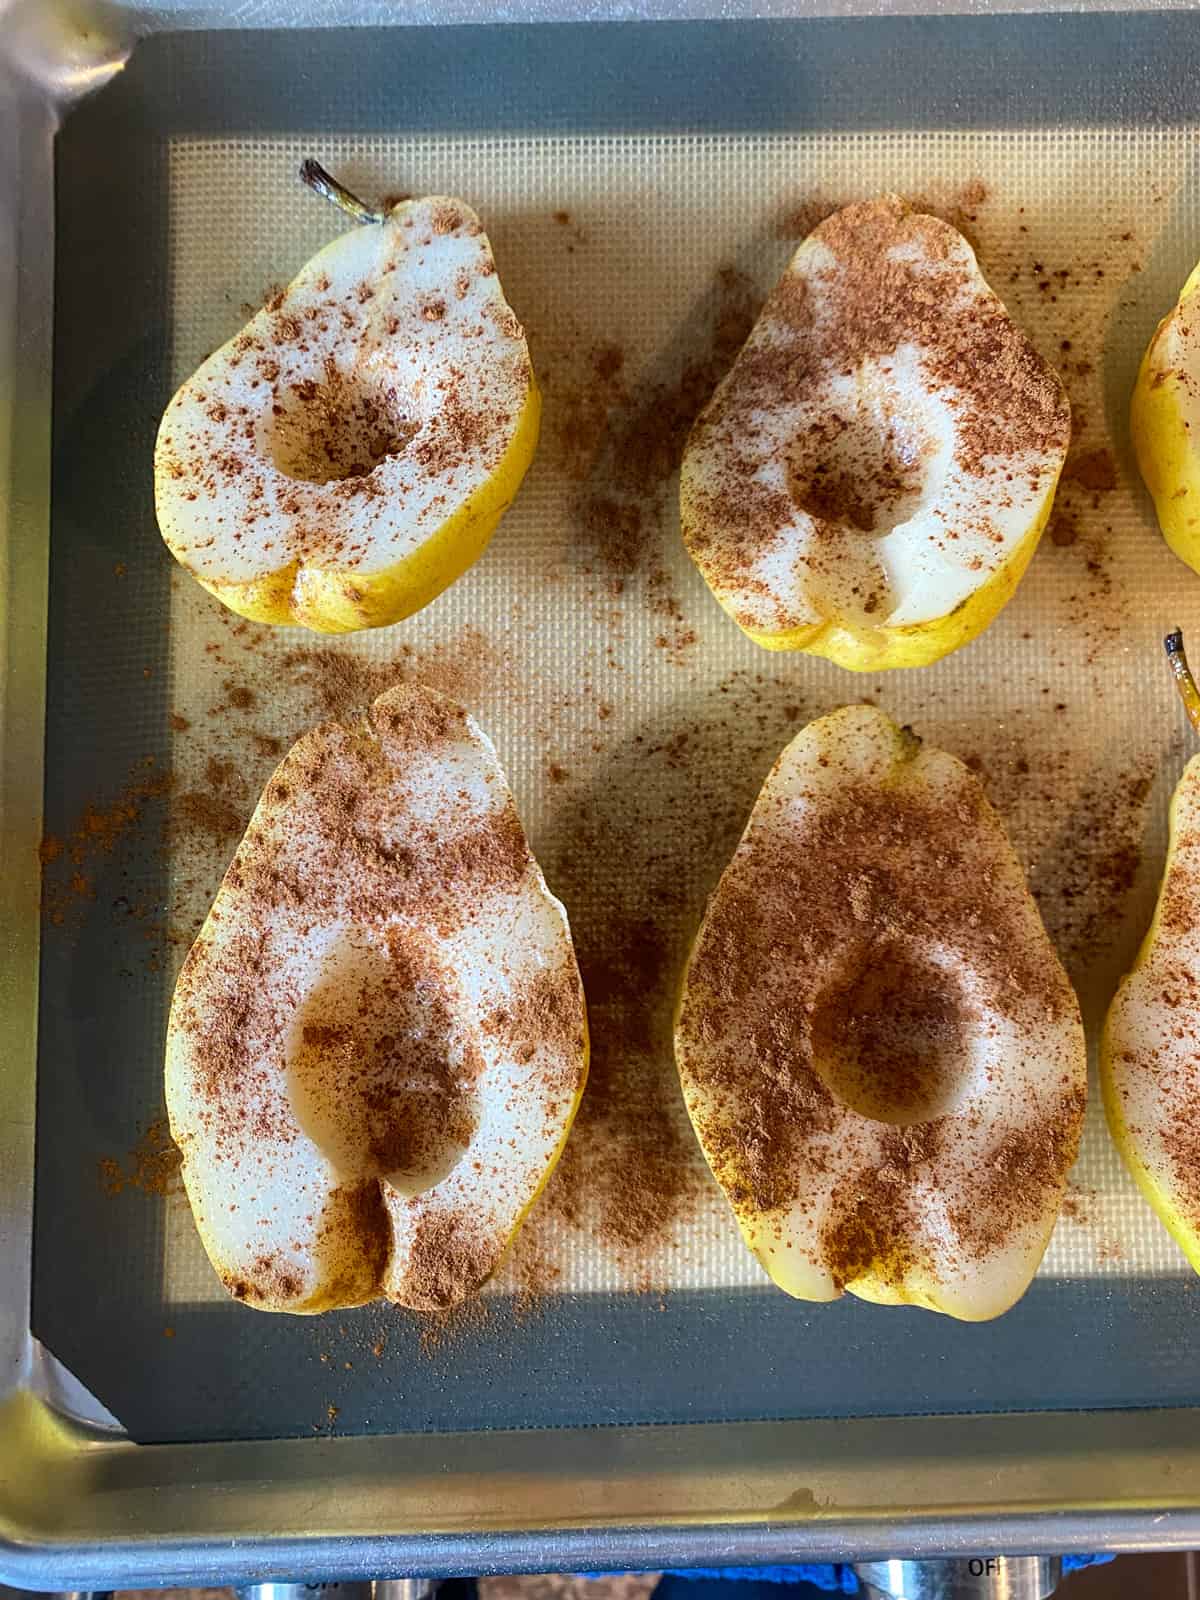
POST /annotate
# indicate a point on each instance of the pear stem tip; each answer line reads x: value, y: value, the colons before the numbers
x: 1184, y: 682
x: 327, y: 186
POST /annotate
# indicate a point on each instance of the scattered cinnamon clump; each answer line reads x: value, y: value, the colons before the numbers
x: 627, y: 1172
x: 337, y: 683
x: 1024, y: 1167
x: 1064, y: 527
x: 1093, y: 470
x: 441, y: 1331
x: 624, y: 518
x: 669, y: 812
x: 538, y: 1276
x: 271, y: 300
x: 1089, y: 476
x: 1070, y: 302
x: 1084, y: 903
x: 620, y: 437
x: 1077, y: 1204
x: 1078, y: 1207
x: 451, y: 1258
x: 151, y: 1167
x: 1081, y: 840
x: 971, y: 197
x: 74, y: 865
x: 218, y: 814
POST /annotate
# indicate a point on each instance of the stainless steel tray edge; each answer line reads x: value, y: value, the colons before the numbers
x: 27, y: 122
x: 80, y: 1508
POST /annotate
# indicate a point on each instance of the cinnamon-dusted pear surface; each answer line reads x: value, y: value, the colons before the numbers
x: 378, y: 1041
x: 348, y: 454
x: 870, y: 480
x: 880, y: 1052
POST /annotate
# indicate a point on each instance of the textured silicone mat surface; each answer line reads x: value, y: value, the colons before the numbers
x: 634, y: 720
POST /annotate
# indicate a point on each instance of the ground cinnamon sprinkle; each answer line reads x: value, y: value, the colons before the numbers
x: 396, y: 1029
x: 628, y: 1172
x: 441, y: 1332
x: 877, y: 1226
x: 1023, y: 1168
x: 151, y: 1167
x: 1088, y: 475
x: 295, y: 445
x: 337, y: 684
x: 1083, y: 889
x: 1181, y: 1140
x: 197, y: 812
x: 637, y: 856
x: 450, y: 1259
x: 1080, y: 1207
x: 644, y: 438
x: 798, y: 221
x: 73, y: 865
x: 619, y: 436
x: 1093, y: 470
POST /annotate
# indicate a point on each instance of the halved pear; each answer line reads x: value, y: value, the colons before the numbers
x: 1149, y: 1063
x: 378, y: 1041
x: 870, y: 480
x: 349, y: 454
x: 880, y: 1051
x: 1164, y: 418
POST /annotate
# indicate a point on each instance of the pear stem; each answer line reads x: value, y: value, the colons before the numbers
x: 323, y: 183
x: 1184, y: 682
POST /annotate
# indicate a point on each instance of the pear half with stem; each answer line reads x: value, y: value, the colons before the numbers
x: 1150, y: 1051
x: 879, y: 1049
x: 872, y: 477
x: 378, y: 1042
x: 349, y: 454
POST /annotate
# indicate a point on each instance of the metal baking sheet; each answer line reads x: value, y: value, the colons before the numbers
x: 642, y: 187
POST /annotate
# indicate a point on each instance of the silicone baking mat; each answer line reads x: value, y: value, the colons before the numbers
x: 634, y: 720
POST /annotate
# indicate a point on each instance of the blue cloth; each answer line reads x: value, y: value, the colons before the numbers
x: 837, y: 1579
x: 834, y: 1578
